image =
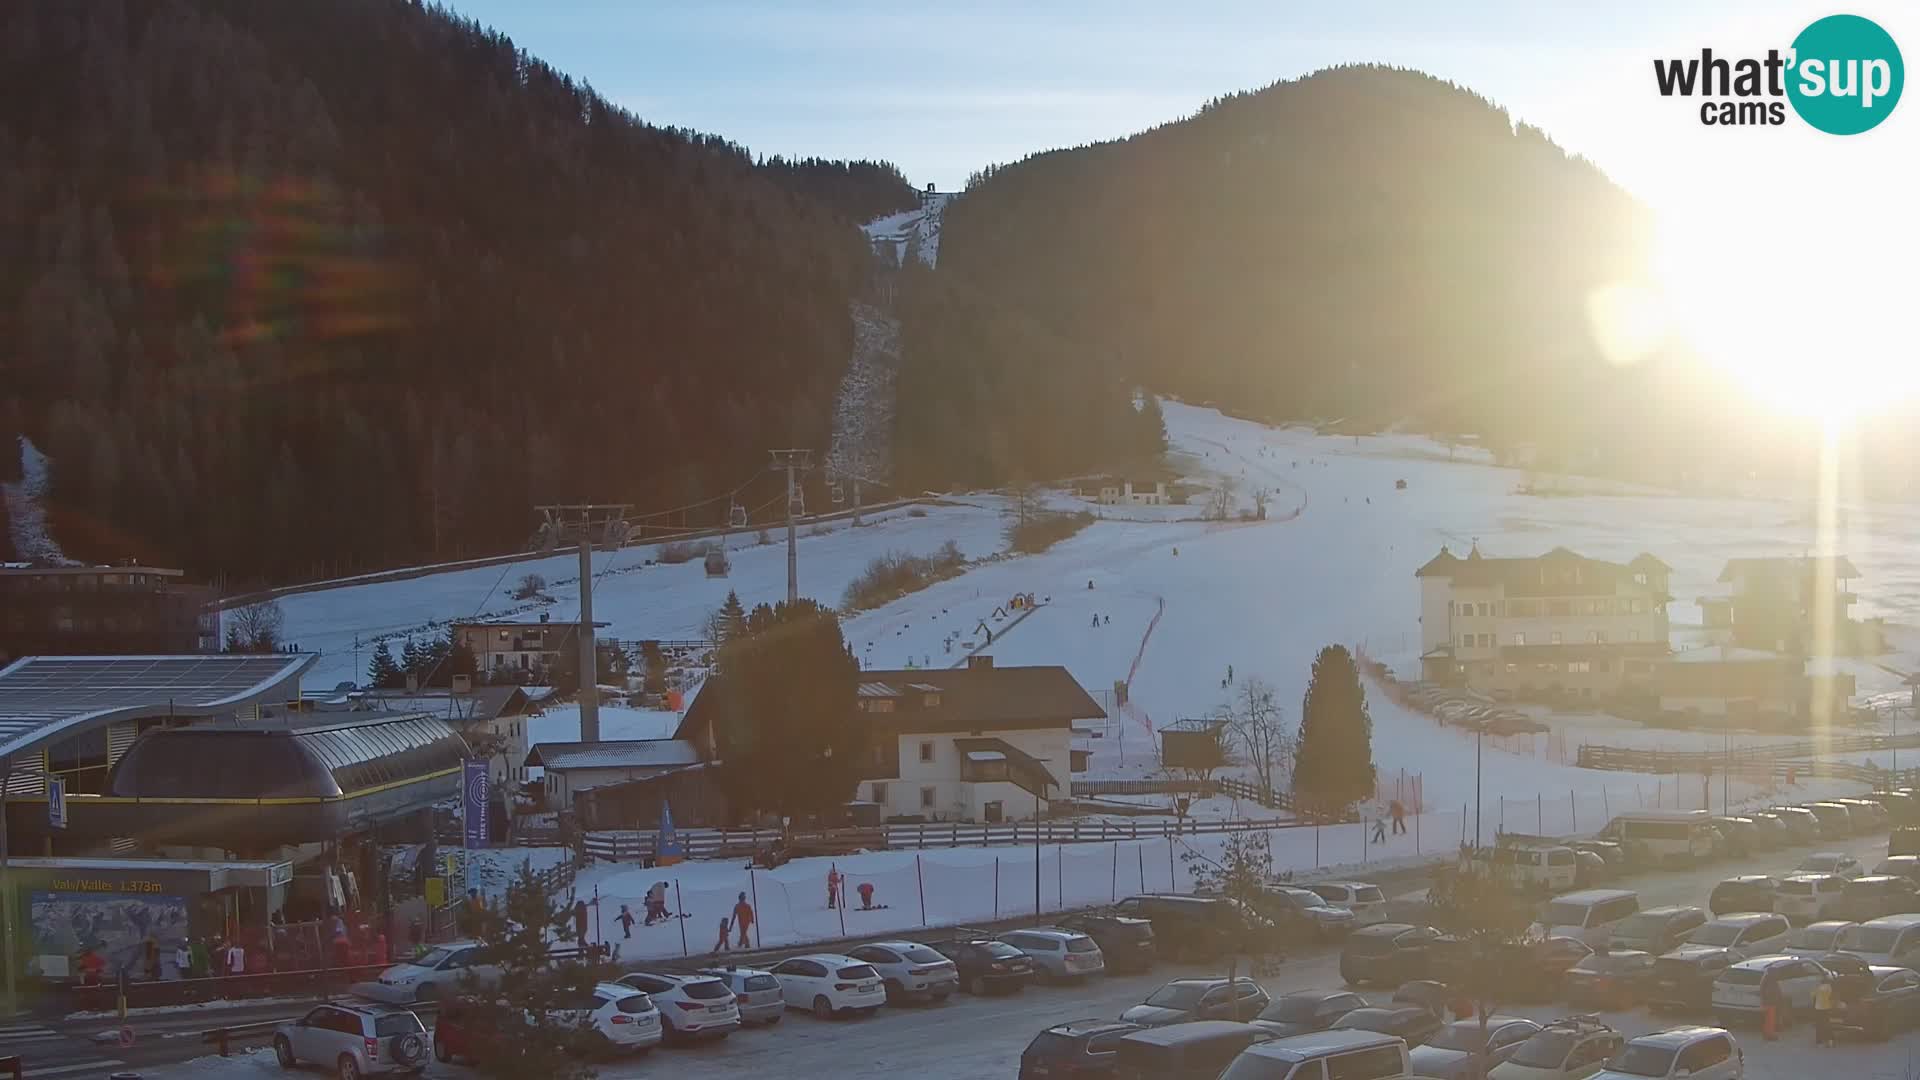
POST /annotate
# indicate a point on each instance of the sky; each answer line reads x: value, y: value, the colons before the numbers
x: 1782, y: 242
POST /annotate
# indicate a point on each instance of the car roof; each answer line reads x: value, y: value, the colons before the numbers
x: 1092, y: 1026
x: 1192, y: 1030
x: 1881, y: 879
x: 371, y: 1008
x: 1678, y: 1036
x: 1810, y: 875
x: 827, y: 958
x: 1615, y: 954
x: 892, y: 944
x: 1593, y: 896
x: 1825, y: 855
x: 1744, y: 918
x: 1747, y: 879
x: 1303, y: 1047
x: 1762, y: 963
x: 616, y: 990
x: 1903, y: 920
x: 680, y: 977
x: 1316, y: 995
x: 1055, y: 931
x: 727, y: 972
x: 1691, y: 951
x: 1881, y: 971
x: 1208, y: 980
x: 1384, y: 929
x: 1342, y: 884
x: 1669, y: 909
x: 1827, y: 924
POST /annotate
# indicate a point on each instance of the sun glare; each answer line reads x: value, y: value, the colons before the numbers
x: 1801, y: 312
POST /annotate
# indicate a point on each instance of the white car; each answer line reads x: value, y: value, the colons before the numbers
x: 625, y: 1017
x: 1739, y: 991
x: 1367, y: 902
x: 691, y: 1006
x: 1815, y: 940
x: 1743, y: 935
x: 1057, y: 953
x: 438, y: 973
x: 830, y: 984
x: 1697, y: 1053
x: 1831, y: 862
x: 1808, y: 897
x: 756, y: 992
x: 910, y: 970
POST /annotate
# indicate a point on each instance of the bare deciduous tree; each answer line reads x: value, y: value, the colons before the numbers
x: 1256, y: 723
x: 1261, y: 496
x: 530, y: 586
x: 255, y: 628
x: 1220, y: 501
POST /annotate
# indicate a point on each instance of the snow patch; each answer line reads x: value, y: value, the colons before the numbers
x: 26, y: 508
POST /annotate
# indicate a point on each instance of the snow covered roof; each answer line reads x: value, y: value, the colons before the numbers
x: 624, y: 754
x: 979, y: 697
x: 1725, y: 654
x: 1559, y: 572
x: 43, y: 698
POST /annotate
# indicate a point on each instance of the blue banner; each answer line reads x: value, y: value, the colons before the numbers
x: 667, y: 849
x: 474, y: 802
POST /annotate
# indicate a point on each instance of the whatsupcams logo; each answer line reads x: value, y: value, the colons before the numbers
x: 1843, y: 75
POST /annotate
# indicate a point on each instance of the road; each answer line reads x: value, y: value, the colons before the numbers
x: 977, y: 1039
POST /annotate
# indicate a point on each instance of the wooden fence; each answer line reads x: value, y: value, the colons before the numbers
x: 712, y: 843
x: 1633, y: 759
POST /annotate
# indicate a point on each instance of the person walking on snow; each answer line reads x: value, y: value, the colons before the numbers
x: 580, y: 921
x: 833, y: 887
x: 743, y: 917
x: 1379, y: 830
x: 1399, y: 813
x: 626, y: 922
x: 1229, y: 672
x: 725, y: 925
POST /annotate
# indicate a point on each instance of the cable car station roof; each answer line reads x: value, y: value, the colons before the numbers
x: 44, y: 698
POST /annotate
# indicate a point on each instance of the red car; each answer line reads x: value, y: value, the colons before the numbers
x: 453, y: 1037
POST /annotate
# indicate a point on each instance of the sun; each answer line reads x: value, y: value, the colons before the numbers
x: 1799, y: 308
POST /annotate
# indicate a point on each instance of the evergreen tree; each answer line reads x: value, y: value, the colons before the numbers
x: 1333, y: 768
x: 733, y: 618
x: 410, y: 655
x: 522, y: 1021
x: 383, y: 673
x: 655, y: 667
x: 459, y: 660
x: 790, y: 741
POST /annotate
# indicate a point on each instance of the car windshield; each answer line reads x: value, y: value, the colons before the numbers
x: 1460, y: 1035
x: 1081, y: 944
x: 1820, y: 863
x: 1292, y: 1009
x: 433, y: 959
x: 398, y: 1023
x: 635, y: 1004
x: 1814, y: 937
x: 920, y: 954
x: 1368, y: 894
x: 1642, y: 1060
x: 705, y: 989
x: 1177, y: 996
x: 761, y: 982
x: 1561, y: 913
x: 1719, y: 934
x: 1000, y: 950
x: 858, y: 971
x: 1052, y: 1044
x: 1544, y: 1051
x: 1742, y: 977
x: 1869, y: 939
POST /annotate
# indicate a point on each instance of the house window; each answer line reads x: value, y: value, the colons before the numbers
x: 1578, y: 667
x: 1486, y: 609
x: 880, y: 793
x: 926, y: 798
x: 1512, y: 668
x: 1595, y: 637
x: 1558, y: 607
x: 1519, y: 639
x: 932, y: 701
x: 926, y: 751
x: 882, y: 705
x: 1556, y: 637
x: 1486, y: 641
x: 1633, y: 635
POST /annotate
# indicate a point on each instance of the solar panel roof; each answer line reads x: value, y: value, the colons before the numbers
x: 43, y: 698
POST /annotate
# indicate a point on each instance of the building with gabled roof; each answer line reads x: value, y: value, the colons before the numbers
x: 1798, y: 604
x: 1557, y: 624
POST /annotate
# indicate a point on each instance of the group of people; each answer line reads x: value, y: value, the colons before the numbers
x: 836, y: 883
x: 1397, y: 812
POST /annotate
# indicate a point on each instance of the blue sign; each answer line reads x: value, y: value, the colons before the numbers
x: 474, y: 802
x: 57, y: 802
x: 668, y: 848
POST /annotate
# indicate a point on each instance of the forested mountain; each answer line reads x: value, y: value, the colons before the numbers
x: 859, y: 190
x: 1364, y: 242
x: 306, y: 287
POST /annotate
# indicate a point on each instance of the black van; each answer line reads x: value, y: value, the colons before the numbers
x: 1192, y: 1051
x: 1189, y: 927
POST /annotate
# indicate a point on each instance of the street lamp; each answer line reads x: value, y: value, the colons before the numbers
x: 1479, y: 741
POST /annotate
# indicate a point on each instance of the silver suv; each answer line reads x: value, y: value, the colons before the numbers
x: 1058, y: 953
x: 354, y: 1040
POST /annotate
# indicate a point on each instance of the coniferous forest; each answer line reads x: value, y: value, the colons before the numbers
x: 305, y: 288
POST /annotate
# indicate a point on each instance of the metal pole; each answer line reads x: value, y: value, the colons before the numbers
x: 584, y: 644
x: 1726, y: 767
x: 1036, y: 856
x: 6, y: 888
x: 1479, y: 740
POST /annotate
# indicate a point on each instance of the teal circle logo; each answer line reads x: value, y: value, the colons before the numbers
x: 1846, y: 74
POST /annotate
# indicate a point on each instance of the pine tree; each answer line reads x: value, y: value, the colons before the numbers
x: 410, y: 658
x: 1333, y: 768
x: 383, y: 673
x: 733, y: 618
x: 787, y: 730
x: 534, y: 994
x: 459, y: 660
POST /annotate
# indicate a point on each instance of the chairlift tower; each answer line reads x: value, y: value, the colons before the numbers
x: 587, y: 525
x: 793, y: 463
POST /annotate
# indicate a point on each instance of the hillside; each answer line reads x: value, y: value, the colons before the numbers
x: 1363, y: 242
x: 306, y: 288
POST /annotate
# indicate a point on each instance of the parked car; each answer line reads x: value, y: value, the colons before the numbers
x: 1566, y: 1049
x: 1831, y: 862
x: 1771, y: 831
x: 1306, y: 1011
x: 1889, y: 1002
x: 1874, y: 895
x: 1849, y: 972
x: 1907, y: 866
x: 1682, y: 978
x: 1079, y: 1049
x: 1188, y: 927
x: 1590, y: 869
x: 1610, y: 981
x: 1610, y: 850
x: 1836, y: 821
x: 1058, y: 953
x: 1126, y: 942
x: 456, y: 1035
x: 755, y: 992
x: 1590, y: 914
x: 1366, y: 901
x: 1815, y: 940
x: 1901, y: 806
x: 985, y: 965
x: 1357, y: 1054
x: 1200, y: 1048
x: 622, y: 1018
x: 1739, y: 837
x: 1537, y: 970
x: 354, y: 1040
x: 439, y: 972
x: 1747, y: 934
x: 1869, y: 815
x: 1414, y: 1023
x: 1806, y: 898
x: 1891, y: 939
x: 1449, y: 1054
x: 1307, y: 916
x: 691, y: 1006
x: 1742, y: 892
x: 1802, y: 826
x: 909, y: 970
x: 1435, y: 997
x: 1904, y: 840
x: 831, y: 984
x: 1388, y: 953
x: 1692, y: 1053
x: 1740, y: 990
x: 1183, y: 1000
x: 1656, y: 930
